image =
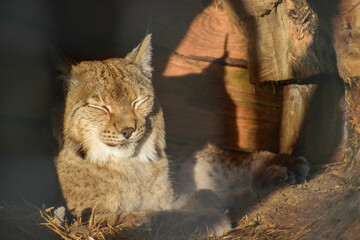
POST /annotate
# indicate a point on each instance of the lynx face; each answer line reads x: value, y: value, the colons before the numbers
x: 107, y: 107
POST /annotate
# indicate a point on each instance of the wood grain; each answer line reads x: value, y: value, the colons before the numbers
x: 284, y: 38
x: 207, y: 33
x: 346, y: 27
x: 295, y: 106
x: 211, y: 102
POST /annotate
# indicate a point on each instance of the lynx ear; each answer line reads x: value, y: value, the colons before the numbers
x: 62, y: 66
x: 141, y: 56
x: 59, y: 61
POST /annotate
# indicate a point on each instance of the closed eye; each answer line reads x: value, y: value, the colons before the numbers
x: 101, y: 107
x: 137, y: 103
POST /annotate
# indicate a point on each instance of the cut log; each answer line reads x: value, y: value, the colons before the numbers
x: 346, y: 35
x: 210, y: 36
x: 322, y: 135
x: 352, y: 155
x: 344, y: 19
x: 340, y: 20
x: 281, y: 37
x: 296, y: 100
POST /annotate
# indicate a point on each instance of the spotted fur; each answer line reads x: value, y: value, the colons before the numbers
x: 112, y: 159
x: 238, y: 178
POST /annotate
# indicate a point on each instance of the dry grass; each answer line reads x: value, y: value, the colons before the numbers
x: 326, y: 207
x: 255, y: 229
x: 88, y: 230
x: 247, y: 229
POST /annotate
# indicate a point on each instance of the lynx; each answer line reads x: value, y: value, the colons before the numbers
x: 112, y: 157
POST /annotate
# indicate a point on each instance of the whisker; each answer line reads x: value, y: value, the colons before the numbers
x: 81, y: 144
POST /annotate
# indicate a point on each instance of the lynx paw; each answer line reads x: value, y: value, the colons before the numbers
x: 272, y: 176
x: 292, y: 170
x: 59, y: 216
x: 211, y: 222
x: 222, y: 225
x: 126, y: 219
x: 206, y: 222
x: 298, y: 171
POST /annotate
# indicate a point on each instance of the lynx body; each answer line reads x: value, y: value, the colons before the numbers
x: 112, y: 154
x: 112, y: 157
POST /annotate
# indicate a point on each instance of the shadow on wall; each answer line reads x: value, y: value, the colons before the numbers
x: 83, y: 30
x: 215, y: 101
x: 249, y: 28
x: 322, y: 136
x: 323, y: 129
x: 26, y: 152
x: 94, y: 30
x: 197, y: 110
x: 195, y: 105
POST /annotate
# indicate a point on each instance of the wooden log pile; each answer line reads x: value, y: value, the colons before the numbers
x: 346, y: 42
x: 312, y: 48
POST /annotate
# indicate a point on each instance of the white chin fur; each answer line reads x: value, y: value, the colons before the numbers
x: 147, y: 150
x: 98, y: 152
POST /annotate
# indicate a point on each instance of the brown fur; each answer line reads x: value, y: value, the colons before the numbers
x: 112, y: 155
x: 112, y: 143
x: 238, y: 178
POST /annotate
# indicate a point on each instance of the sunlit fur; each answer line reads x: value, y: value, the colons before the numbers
x: 123, y: 176
x: 124, y: 179
x: 97, y: 164
x: 238, y: 178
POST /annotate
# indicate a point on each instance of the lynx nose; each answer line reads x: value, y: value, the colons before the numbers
x: 126, y: 132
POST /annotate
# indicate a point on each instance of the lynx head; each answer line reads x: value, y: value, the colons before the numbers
x: 107, y: 105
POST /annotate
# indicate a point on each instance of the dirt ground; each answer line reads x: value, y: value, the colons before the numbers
x: 325, y: 207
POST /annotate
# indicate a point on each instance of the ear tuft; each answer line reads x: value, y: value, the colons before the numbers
x: 62, y: 65
x: 60, y: 62
x: 141, y: 56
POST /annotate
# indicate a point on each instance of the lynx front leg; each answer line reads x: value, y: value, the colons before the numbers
x: 201, y: 212
x: 173, y: 222
x: 127, y: 219
x: 203, y: 222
